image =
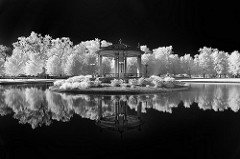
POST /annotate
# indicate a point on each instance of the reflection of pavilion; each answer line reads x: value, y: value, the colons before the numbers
x: 120, y: 121
x: 120, y: 52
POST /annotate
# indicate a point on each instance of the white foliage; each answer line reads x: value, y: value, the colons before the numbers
x: 53, y: 66
x: 15, y: 64
x: 34, y: 65
x: 174, y: 64
x: 2, y: 66
x: 205, y: 60
x: 104, y: 43
x: 220, y: 62
x: 145, y: 49
x: 234, y: 63
x: 161, y: 56
x: 92, y: 45
x: 187, y: 64
x: 74, y: 65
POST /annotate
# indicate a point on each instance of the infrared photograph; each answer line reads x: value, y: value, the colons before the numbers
x: 119, y: 78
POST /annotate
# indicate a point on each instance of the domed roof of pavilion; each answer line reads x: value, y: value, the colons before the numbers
x: 114, y: 49
x: 120, y: 46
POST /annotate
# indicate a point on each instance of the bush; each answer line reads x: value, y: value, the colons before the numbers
x: 116, y: 82
x: 169, y: 82
x: 77, y: 82
x: 66, y: 86
x: 85, y: 84
x: 58, y: 82
x: 96, y: 83
x: 156, y: 81
x: 124, y: 85
x: 144, y: 81
x: 133, y: 82
x: 75, y: 85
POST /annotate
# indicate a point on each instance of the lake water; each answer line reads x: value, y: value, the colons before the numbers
x: 202, y: 122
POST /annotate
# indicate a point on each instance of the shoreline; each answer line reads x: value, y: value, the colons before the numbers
x: 191, y: 80
x: 210, y: 80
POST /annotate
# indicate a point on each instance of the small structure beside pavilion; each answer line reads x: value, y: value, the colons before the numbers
x: 120, y: 52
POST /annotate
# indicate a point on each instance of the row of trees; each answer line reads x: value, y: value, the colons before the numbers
x: 36, y: 54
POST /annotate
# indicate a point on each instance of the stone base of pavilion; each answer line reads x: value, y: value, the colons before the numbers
x: 111, y: 76
x: 109, y: 90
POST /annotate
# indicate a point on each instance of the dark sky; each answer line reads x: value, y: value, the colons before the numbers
x: 186, y: 25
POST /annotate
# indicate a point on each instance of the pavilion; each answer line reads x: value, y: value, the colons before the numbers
x: 120, y: 52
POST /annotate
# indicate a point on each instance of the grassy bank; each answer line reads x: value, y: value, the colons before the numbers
x: 25, y: 81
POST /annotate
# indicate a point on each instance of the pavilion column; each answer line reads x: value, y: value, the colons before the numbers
x: 125, y: 65
x: 119, y: 67
x: 139, y: 66
x: 100, y: 65
x: 115, y: 67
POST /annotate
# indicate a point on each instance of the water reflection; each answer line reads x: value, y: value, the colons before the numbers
x: 120, y: 120
x: 39, y: 107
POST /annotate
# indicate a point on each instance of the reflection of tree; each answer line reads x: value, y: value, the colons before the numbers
x: 205, y: 97
x: 59, y: 107
x: 83, y: 105
x: 165, y: 102
x: 189, y: 96
x: 219, y: 100
x: 28, y: 106
x: 15, y: 99
x: 35, y: 97
x: 4, y: 109
x: 234, y: 98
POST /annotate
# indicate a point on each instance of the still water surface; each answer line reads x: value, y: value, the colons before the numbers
x: 202, y: 122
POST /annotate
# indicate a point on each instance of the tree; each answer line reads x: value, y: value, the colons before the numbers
x: 34, y: 65
x: 15, y: 64
x: 75, y: 62
x: 174, y: 64
x: 205, y: 61
x: 145, y: 49
x: 234, y: 63
x: 161, y: 56
x: 196, y: 66
x: 2, y: 66
x: 90, y: 56
x: 147, y: 61
x: 29, y: 55
x: 220, y: 62
x: 4, y: 52
x: 104, y: 43
x: 187, y: 64
x: 58, y: 54
x: 53, y: 66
